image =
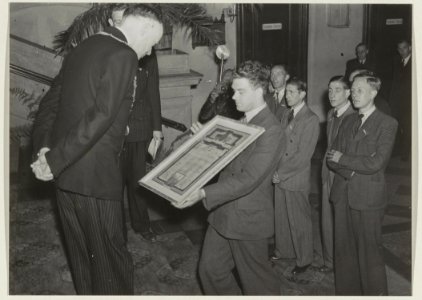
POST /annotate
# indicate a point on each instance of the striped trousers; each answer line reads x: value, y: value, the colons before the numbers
x: 98, y: 257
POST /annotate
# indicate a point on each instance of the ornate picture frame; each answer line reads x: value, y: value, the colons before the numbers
x: 200, y: 158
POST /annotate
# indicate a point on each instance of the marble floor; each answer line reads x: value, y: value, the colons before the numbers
x: 38, y: 266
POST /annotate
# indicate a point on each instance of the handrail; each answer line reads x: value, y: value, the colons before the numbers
x: 35, y: 76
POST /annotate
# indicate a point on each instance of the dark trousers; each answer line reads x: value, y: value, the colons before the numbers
x: 99, y: 260
x: 358, y: 251
x: 221, y: 255
x: 327, y: 230
x: 293, y: 226
x: 133, y: 169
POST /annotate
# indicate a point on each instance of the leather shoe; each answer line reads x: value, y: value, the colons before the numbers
x: 149, y: 235
x: 299, y: 270
x: 324, y: 269
x: 279, y: 258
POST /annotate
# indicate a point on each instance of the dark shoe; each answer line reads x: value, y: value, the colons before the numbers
x: 149, y: 235
x: 324, y: 269
x: 299, y: 270
x: 279, y: 258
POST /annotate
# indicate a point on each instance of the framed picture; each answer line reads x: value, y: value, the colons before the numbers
x: 200, y: 158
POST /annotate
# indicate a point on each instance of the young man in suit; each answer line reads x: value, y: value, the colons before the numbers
x: 293, y: 223
x: 276, y: 99
x: 241, y: 208
x: 144, y: 124
x: 83, y: 148
x: 400, y: 97
x: 338, y: 94
x: 359, y: 157
x: 362, y: 61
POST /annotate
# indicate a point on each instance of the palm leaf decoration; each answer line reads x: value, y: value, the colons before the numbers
x: 182, y: 16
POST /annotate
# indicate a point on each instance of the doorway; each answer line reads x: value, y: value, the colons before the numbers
x: 273, y: 34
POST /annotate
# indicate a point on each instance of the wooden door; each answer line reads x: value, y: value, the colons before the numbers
x: 274, y: 33
x: 385, y: 24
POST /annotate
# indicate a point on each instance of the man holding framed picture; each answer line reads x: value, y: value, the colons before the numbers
x: 241, y: 208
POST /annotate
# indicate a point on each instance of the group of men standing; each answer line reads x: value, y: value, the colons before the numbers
x: 84, y: 140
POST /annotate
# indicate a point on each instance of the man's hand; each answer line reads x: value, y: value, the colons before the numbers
x: 40, y: 167
x: 334, y: 156
x: 276, y: 178
x: 191, y: 199
x: 196, y: 127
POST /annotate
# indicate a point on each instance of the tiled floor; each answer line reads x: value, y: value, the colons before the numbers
x: 168, y: 267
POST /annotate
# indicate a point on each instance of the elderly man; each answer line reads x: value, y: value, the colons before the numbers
x: 83, y: 146
x: 361, y: 62
x: 241, y: 203
x: 276, y: 98
x: 359, y: 157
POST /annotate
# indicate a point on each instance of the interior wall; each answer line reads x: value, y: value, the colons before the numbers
x: 39, y: 23
x: 329, y: 50
x: 202, y: 59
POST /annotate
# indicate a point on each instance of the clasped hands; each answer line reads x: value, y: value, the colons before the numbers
x: 40, y: 167
x: 334, y: 155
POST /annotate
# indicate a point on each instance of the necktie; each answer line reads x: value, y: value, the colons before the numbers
x: 335, y: 114
x: 291, y: 116
x: 403, y: 62
x: 243, y: 120
x: 357, y: 125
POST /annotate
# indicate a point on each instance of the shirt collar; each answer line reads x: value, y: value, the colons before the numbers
x: 116, y: 33
x: 341, y: 110
x: 367, y: 113
x: 405, y: 61
x: 298, y: 108
x: 252, y: 113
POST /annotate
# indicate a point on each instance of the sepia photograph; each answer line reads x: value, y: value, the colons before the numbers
x: 204, y: 149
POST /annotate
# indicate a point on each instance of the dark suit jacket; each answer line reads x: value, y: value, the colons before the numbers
x: 333, y: 125
x: 88, y: 133
x: 241, y: 202
x: 146, y: 112
x: 277, y: 108
x: 354, y: 64
x: 294, y: 169
x: 46, y: 115
x: 367, y: 155
x: 400, y: 98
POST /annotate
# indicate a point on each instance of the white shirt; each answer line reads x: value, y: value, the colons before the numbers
x: 250, y: 114
x: 298, y: 108
x: 405, y: 61
x: 367, y: 114
x: 279, y: 94
x: 341, y: 110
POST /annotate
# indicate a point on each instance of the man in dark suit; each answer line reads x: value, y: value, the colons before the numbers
x: 144, y: 124
x: 338, y: 94
x: 293, y: 223
x: 241, y: 202
x: 84, y: 144
x: 276, y: 97
x: 362, y: 61
x: 359, y: 157
x: 401, y: 96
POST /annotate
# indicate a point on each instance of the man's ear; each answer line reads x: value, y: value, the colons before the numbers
x: 302, y: 94
x: 287, y: 77
x: 374, y: 94
x: 110, y: 22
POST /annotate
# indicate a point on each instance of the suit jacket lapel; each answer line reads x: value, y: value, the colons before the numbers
x: 367, y: 127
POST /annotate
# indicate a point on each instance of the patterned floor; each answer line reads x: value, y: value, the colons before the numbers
x: 168, y: 267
